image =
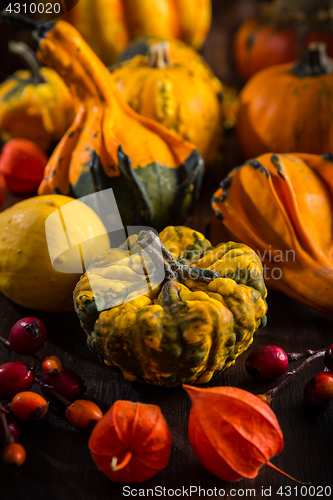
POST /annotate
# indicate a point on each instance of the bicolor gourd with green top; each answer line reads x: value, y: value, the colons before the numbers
x: 154, y: 173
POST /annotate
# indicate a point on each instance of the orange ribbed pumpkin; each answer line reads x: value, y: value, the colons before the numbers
x: 109, y: 25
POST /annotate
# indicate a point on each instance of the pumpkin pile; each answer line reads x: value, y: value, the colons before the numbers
x: 168, y: 309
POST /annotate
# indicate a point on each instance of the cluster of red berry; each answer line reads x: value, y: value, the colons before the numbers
x: 269, y: 362
x: 57, y: 382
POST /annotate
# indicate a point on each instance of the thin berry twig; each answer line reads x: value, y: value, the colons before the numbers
x: 294, y: 356
x: 272, y: 392
x: 52, y: 391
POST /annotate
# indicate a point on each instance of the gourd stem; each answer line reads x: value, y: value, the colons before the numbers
x: 114, y: 462
x: 23, y: 50
x: 315, y: 62
x: 159, y: 55
x: 174, y: 270
x: 285, y: 474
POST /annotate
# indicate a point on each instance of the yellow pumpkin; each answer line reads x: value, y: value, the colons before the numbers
x: 35, y: 104
x: 171, y: 84
x: 27, y: 275
x: 109, y: 25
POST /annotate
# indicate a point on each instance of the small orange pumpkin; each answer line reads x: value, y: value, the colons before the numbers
x: 172, y: 84
x: 288, y: 107
x: 281, y: 32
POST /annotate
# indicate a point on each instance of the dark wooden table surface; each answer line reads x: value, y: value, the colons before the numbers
x: 59, y: 466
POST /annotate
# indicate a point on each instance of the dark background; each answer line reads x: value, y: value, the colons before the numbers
x: 59, y: 465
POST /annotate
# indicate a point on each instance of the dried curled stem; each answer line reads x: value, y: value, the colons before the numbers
x: 174, y: 270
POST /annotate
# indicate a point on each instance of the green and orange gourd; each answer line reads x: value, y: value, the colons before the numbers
x: 190, y: 323
x: 155, y: 175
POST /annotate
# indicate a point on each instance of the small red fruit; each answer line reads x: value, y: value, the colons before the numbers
x: 29, y: 406
x: 22, y: 165
x: 83, y: 413
x: 322, y: 384
x: 52, y: 365
x: 15, y: 377
x: 329, y: 358
x: 13, y: 429
x: 27, y: 336
x: 313, y: 400
x: 267, y: 362
x: 14, y: 454
x: 68, y: 384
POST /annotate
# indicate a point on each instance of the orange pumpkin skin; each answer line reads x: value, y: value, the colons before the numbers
x: 258, y: 45
x: 281, y: 111
x: 281, y: 206
x: 174, y: 86
x: 109, y: 25
x: 281, y: 33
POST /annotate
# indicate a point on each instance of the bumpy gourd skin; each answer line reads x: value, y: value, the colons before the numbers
x: 178, y: 332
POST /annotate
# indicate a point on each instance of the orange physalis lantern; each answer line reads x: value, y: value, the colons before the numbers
x: 132, y: 442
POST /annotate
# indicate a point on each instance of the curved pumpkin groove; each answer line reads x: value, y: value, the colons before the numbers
x: 287, y: 218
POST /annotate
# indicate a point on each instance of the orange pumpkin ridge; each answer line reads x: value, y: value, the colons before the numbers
x: 109, y: 25
x: 306, y: 88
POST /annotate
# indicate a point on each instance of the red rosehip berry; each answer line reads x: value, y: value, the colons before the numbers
x: 328, y: 360
x: 322, y: 385
x: 83, y: 413
x: 27, y: 336
x: 68, y: 384
x: 15, y: 377
x: 267, y: 362
x: 52, y: 365
x: 28, y: 406
x: 313, y: 400
x: 13, y: 429
x: 14, y: 454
